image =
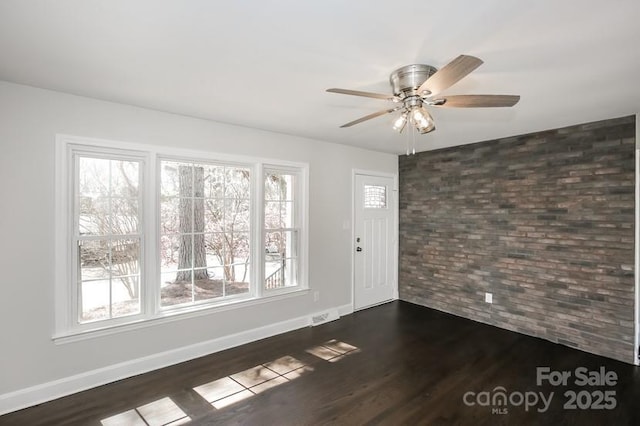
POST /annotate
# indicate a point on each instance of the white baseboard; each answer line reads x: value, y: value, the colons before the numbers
x: 44, y: 392
x: 345, y: 310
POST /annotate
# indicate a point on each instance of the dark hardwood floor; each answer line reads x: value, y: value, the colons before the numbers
x: 393, y: 364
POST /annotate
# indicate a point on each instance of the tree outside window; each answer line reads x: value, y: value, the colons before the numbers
x: 205, y: 229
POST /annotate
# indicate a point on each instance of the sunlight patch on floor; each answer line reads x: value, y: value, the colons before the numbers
x: 333, y: 350
x: 236, y: 387
x: 162, y: 412
x: 252, y: 381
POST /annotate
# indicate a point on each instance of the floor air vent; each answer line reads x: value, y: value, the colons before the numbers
x: 323, y: 317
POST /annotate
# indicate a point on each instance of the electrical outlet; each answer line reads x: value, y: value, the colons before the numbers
x: 316, y: 296
x: 488, y: 297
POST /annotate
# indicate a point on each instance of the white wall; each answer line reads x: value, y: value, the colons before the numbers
x: 29, y: 120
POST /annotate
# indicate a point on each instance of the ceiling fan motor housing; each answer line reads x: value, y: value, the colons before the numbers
x: 406, y: 80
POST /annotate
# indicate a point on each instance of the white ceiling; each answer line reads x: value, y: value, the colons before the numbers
x: 266, y: 64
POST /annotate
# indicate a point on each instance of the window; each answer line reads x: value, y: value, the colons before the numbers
x: 281, y: 227
x: 204, y: 231
x: 145, y: 234
x: 107, y: 236
x: 375, y: 197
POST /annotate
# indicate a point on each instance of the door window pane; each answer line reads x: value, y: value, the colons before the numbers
x: 375, y: 197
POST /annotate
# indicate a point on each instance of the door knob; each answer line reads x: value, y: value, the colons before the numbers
x: 359, y: 249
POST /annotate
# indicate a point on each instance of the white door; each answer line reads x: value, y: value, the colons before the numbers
x: 374, y: 245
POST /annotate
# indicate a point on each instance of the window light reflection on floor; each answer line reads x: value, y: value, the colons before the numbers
x: 244, y: 384
x: 233, y: 388
x: 161, y: 412
x: 333, y: 350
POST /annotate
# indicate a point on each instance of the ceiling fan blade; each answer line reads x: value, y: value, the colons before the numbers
x: 479, y: 101
x: 370, y: 116
x: 365, y: 94
x: 450, y: 74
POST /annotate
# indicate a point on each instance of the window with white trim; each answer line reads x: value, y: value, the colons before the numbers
x: 146, y: 232
x: 205, y: 232
x: 107, y: 235
x: 282, y: 228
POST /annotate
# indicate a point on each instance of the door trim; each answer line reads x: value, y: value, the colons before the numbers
x: 395, y: 225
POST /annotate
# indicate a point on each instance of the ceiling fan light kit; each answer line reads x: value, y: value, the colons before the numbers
x: 418, y: 86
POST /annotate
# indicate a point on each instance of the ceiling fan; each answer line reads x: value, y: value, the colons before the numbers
x: 416, y: 86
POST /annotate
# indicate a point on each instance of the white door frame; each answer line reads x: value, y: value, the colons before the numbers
x: 395, y: 233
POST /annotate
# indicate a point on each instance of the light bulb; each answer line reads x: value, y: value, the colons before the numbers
x: 425, y: 124
x: 400, y: 122
x: 417, y: 115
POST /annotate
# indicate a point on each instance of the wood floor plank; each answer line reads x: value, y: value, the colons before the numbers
x: 390, y: 365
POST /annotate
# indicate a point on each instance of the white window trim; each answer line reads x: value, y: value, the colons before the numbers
x: 67, y: 329
x: 301, y: 220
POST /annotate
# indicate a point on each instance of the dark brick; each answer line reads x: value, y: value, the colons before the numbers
x: 543, y: 221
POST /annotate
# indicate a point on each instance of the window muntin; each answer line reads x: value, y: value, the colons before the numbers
x: 204, y: 232
x: 107, y: 237
x: 281, y: 226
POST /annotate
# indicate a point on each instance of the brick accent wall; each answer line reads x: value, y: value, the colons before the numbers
x: 544, y: 221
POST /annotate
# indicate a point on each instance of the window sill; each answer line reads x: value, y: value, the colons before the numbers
x: 75, y: 335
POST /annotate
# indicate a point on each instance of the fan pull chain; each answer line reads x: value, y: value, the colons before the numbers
x: 413, y: 152
x: 406, y: 141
